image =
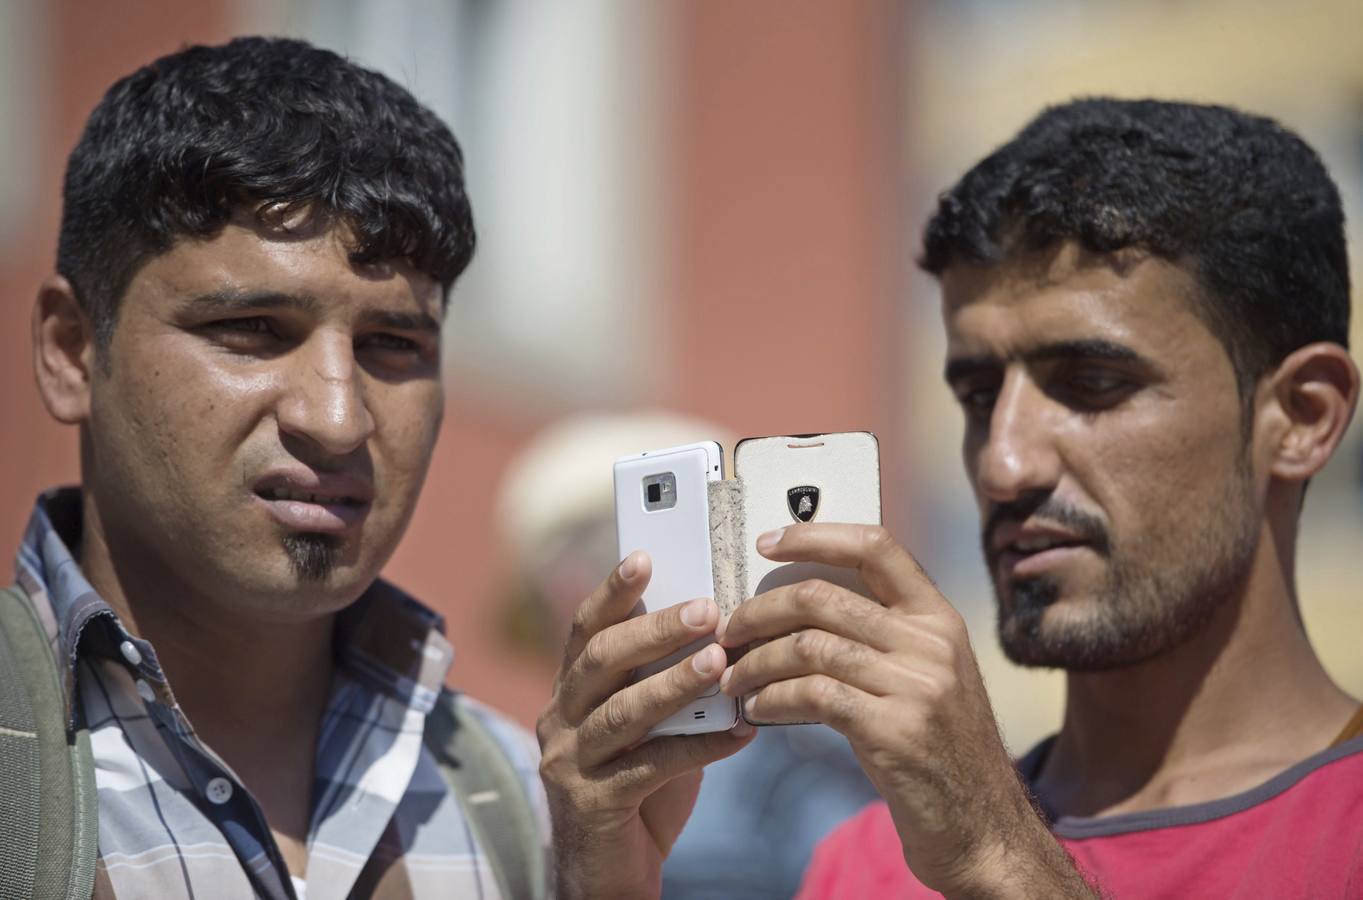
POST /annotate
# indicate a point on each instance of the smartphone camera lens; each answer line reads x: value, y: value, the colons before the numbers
x: 660, y: 491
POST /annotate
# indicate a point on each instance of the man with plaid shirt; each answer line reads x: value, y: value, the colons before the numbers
x: 256, y: 247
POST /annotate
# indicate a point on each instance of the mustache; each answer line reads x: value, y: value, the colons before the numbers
x: 1047, y: 509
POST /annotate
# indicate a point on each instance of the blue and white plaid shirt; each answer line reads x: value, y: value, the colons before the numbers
x: 174, y: 821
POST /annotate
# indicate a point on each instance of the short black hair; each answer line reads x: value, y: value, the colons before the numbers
x: 269, y: 124
x: 1240, y: 202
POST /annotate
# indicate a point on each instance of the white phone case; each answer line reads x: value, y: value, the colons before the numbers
x: 677, y: 539
x: 818, y: 478
x: 805, y: 478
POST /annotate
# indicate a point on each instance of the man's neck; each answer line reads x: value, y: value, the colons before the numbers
x: 1241, y: 701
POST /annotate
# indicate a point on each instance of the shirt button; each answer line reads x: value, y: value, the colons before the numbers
x: 130, y: 653
x: 144, y: 691
x: 219, y: 791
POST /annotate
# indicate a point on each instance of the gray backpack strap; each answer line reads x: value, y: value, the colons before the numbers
x: 48, y: 802
x: 493, y: 797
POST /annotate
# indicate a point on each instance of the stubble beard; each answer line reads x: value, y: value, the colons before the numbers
x: 312, y: 557
x: 1149, y: 602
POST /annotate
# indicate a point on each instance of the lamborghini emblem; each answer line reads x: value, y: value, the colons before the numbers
x: 803, y: 502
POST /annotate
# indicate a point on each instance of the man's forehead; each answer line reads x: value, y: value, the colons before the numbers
x: 248, y: 258
x: 1065, y: 265
x: 1064, y: 295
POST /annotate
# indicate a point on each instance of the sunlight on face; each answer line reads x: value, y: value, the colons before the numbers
x: 267, y: 416
x: 1104, y: 443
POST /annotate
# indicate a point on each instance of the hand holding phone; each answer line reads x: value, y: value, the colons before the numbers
x: 618, y: 801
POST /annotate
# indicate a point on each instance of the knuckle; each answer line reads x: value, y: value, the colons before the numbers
x: 630, y: 778
x: 615, y: 714
x: 953, y: 623
x: 660, y: 626
x: 825, y: 697
x: 938, y: 647
x: 821, y: 691
x: 680, y: 677
x: 544, y: 728
x: 555, y: 761
x: 937, y: 689
x: 579, y: 628
x: 877, y: 538
x: 594, y: 654
x: 665, y: 759
x: 549, y: 766
x: 869, y: 617
x: 810, y: 645
x: 642, y: 772
x: 814, y: 594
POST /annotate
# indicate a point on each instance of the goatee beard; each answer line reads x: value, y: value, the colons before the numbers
x: 312, y: 556
x: 1153, y: 598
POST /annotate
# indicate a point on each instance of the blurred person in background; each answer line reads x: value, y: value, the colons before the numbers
x: 257, y: 245
x: 759, y: 814
x: 1147, y: 309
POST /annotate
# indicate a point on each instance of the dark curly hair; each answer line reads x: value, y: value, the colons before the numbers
x: 271, y: 125
x: 1240, y: 202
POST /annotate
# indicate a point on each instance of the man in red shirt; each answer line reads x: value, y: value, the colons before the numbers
x: 1146, y: 307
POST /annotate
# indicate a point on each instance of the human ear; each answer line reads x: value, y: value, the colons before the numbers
x: 1311, y: 395
x: 63, y: 351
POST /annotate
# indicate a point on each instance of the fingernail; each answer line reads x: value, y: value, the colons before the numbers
x: 629, y: 566
x: 769, y: 540
x: 708, y: 661
x: 693, y: 613
x: 750, y: 707
x: 723, y: 624
x: 743, y: 728
x: 724, y: 679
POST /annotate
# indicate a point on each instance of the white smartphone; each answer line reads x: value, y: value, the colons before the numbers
x: 662, y: 506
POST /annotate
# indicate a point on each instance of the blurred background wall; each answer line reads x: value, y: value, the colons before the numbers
x: 711, y: 207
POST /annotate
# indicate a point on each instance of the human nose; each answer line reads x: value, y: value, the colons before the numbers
x: 325, y: 401
x: 1018, y: 454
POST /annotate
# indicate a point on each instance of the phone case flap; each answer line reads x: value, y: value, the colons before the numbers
x: 817, y: 478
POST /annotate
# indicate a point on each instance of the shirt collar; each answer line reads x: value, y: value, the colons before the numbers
x: 386, y: 639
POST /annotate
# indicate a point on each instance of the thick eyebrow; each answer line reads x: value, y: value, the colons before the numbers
x: 232, y: 301
x: 401, y: 321
x: 228, y: 300
x: 1084, y: 348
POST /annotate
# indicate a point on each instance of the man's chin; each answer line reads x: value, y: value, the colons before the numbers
x: 1074, y: 643
x: 1041, y: 626
x: 279, y: 591
x: 1032, y: 653
x: 293, y: 599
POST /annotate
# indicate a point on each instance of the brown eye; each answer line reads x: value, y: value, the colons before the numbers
x: 251, y: 325
x: 1096, y: 383
x: 246, y: 331
x: 1093, y: 390
x: 391, y: 342
x: 977, y: 395
x: 978, y: 401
